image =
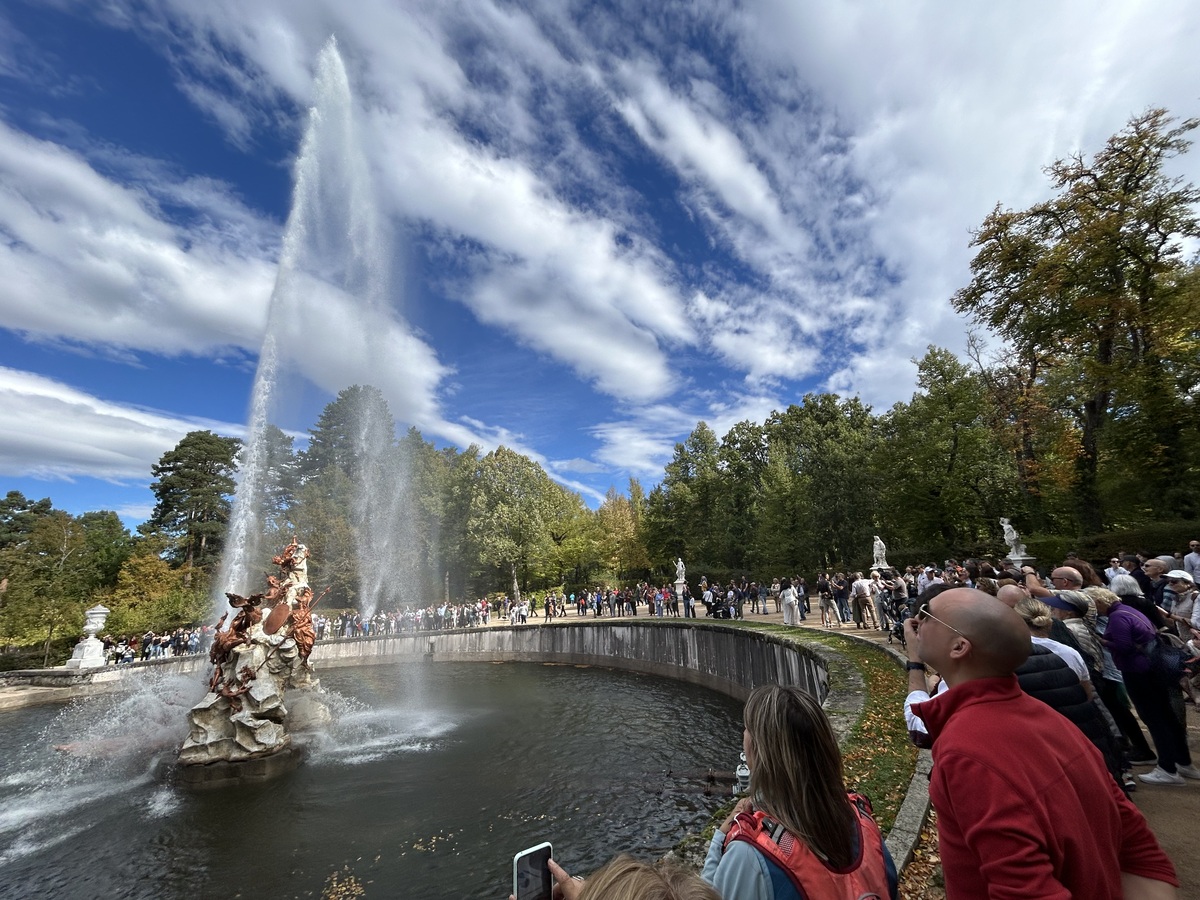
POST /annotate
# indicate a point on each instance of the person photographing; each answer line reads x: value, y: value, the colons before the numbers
x: 798, y: 834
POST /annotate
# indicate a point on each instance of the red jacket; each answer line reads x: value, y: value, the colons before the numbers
x: 1025, y: 806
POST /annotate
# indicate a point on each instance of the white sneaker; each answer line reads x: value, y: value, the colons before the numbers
x: 1188, y: 771
x: 1161, y: 776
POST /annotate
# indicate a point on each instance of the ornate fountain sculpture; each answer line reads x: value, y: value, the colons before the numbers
x: 240, y: 730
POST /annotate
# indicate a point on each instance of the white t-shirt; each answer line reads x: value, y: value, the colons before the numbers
x: 1069, y: 655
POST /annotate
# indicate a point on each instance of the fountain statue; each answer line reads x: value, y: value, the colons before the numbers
x: 264, y: 652
x: 879, y: 559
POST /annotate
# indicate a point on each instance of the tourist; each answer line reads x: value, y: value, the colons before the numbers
x: 1126, y: 635
x: 787, y: 597
x: 862, y: 601
x: 800, y: 586
x: 1191, y: 562
x: 832, y: 847
x: 829, y: 610
x: 1025, y: 807
x: 625, y: 878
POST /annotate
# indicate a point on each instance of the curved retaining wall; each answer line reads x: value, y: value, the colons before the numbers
x: 730, y: 660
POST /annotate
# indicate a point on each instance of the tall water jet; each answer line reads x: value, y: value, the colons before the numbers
x: 329, y: 322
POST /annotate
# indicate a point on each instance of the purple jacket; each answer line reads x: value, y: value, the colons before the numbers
x: 1128, y: 630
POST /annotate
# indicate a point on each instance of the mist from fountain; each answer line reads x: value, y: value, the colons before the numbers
x: 333, y: 285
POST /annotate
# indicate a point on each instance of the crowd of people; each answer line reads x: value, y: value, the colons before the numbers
x: 152, y: 645
x: 1023, y: 685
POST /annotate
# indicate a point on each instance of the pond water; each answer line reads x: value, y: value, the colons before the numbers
x: 429, y: 781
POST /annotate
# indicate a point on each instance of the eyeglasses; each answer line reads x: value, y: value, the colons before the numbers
x: 925, y: 614
x: 1178, y: 581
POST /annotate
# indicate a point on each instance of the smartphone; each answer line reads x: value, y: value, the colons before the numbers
x: 531, y: 873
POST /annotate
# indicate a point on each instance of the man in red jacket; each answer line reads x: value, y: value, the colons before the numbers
x: 1025, y: 806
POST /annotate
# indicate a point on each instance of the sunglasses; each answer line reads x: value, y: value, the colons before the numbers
x: 924, y: 615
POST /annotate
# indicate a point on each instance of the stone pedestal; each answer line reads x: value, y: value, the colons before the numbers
x: 680, y: 587
x: 88, y: 654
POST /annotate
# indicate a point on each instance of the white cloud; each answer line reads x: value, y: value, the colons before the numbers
x: 830, y: 158
x: 89, y: 260
x: 51, y: 430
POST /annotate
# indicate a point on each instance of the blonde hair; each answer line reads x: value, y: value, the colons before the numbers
x: 1035, y: 613
x: 1103, y: 594
x: 624, y: 878
x: 797, y: 773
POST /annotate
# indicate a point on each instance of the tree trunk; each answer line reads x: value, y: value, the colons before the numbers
x: 1087, y: 493
x: 46, y: 648
x: 516, y: 589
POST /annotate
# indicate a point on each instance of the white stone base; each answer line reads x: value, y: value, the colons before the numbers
x: 89, y: 654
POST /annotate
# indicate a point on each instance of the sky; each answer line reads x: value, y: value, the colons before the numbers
x: 598, y: 223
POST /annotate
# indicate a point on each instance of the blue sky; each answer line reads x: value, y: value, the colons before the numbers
x: 601, y: 225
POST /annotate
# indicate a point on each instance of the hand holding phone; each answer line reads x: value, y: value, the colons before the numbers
x: 531, y: 873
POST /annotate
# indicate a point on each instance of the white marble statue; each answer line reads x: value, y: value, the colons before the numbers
x: 880, y: 558
x: 680, y: 569
x: 1016, y: 550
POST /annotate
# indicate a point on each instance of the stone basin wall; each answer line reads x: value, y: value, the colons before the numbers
x: 730, y: 660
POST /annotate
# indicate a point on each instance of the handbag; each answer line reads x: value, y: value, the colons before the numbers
x: 1166, y: 658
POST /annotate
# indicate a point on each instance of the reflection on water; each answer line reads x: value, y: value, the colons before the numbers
x: 429, y: 780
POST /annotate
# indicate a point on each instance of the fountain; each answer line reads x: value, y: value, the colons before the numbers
x: 426, y: 782
x: 334, y: 269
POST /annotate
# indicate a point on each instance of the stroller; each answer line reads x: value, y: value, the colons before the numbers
x: 899, y: 609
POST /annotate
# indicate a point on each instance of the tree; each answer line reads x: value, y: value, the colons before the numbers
x: 620, y: 545
x: 151, y: 596
x: 107, y: 544
x: 1085, y: 282
x: 682, y: 512
x: 18, y: 516
x: 281, y: 482
x: 193, y: 488
x: 322, y: 516
x: 827, y: 444
x: 741, y: 463
x: 510, y: 513
x: 353, y: 429
x: 48, y: 581
x: 949, y: 478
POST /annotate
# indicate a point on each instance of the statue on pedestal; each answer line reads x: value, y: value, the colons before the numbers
x: 1016, y: 550
x: 879, y: 559
x: 680, y: 570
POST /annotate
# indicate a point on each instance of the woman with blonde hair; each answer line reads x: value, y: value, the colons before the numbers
x: 1037, y: 616
x: 625, y: 878
x: 798, y: 833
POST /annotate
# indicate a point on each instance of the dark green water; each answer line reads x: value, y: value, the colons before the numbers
x: 431, y: 779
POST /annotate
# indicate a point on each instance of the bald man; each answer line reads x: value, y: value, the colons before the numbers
x: 1025, y: 806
